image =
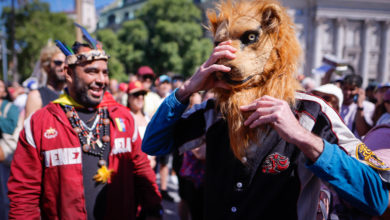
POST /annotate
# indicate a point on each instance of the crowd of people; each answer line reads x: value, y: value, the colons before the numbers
x: 366, y: 114
x: 91, y: 147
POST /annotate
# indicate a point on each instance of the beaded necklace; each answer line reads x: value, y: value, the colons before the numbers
x: 91, y: 138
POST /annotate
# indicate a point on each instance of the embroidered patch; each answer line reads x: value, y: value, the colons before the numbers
x: 121, y: 145
x: 120, y: 124
x: 365, y: 154
x: 50, y: 133
x: 275, y: 163
x: 64, y: 156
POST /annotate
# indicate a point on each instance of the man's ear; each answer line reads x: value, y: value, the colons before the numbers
x: 270, y: 19
x: 68, y: 73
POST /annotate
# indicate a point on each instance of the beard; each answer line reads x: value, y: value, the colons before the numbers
x: 83, y: 97
x: 57, y: 75
x: 229, y: 102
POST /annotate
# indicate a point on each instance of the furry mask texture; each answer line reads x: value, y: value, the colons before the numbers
x: 266, y: 61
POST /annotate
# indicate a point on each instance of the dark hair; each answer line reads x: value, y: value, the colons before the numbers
x: 76, y: 46
x: 353, y: 80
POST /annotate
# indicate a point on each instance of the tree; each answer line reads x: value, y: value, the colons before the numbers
x: 166, y: 36
x: 112, y: 47
x: 34, y: 26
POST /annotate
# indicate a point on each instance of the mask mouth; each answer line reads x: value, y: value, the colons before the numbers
x: 230, y: 79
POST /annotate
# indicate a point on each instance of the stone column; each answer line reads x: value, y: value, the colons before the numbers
x: 365, y: 52
x: 384, y: 71
x: 340, y: 31
x: 318, y: 30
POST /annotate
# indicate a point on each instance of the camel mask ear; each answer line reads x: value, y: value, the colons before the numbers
x: 270, y: 19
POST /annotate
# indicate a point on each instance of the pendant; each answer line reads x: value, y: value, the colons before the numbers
x: 102, y: 163
x: 89, y: 138
x: 106, y: 138
x: 86, y: 148
x: 99, y: 143
x: 103, y: 174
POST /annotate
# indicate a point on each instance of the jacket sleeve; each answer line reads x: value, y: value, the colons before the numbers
x: 354, y: 181
x: 146, y: 188
x: 8, y: 122
x: 159, y: 134
x: 24, y: 184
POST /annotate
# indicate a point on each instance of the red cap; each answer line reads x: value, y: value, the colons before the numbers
x: 136, y: 86
x: 123, y: 87
x: 145, y: 70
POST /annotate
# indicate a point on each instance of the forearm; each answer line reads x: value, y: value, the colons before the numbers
x: 159, y: 135
x: 354, y: 181
x: 310, y: 144
x: 2, y: 157
x: 362, y: 126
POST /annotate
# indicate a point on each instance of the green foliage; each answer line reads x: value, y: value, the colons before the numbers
x: 166, y: 35
x: 112, y: 47
x: 35, y: 26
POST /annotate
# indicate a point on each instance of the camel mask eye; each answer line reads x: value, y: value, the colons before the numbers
x: 249, y: 37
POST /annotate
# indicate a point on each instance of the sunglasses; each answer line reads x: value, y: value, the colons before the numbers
x: 58, y: 62
x: 138, y: 94
x: 148, y: 77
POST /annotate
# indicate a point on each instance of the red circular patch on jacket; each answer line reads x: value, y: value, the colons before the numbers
x: 275, y: 163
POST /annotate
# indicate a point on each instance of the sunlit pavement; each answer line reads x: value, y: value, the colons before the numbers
x: 170, y: 208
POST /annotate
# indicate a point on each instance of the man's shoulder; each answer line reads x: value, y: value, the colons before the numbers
x: 46, y: 111
x: 119, y: 111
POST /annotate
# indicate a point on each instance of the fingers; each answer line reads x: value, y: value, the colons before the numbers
x: 223, y: 50
x: 263, y: 120
x: 258, y: 114
x: 258, y: 103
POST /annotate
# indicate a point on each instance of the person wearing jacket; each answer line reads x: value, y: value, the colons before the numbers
x: 282, y: 178
x: 79, y: 157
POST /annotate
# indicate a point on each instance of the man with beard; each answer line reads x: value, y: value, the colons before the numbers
x: 53, y: 62
x: 80, y: 156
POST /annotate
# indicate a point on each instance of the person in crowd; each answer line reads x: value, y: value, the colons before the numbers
x: 177, y: 81
x: 83, y: 161
x: 53, y: 62
x: 163, y: 89
x: 385, y: 118
x: 370, y: 92
x: 136, y: 95
x: 9, y: 116
x: 308, y: 84
x: 277, y: 174
x: 114, y: 89
x: 164, y: 86
x: 146, y: 75
x: 331, y: 94
x: 356, y: 112
x: 379, y: 105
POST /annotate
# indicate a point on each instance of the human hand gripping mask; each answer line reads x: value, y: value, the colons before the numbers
x: 268, y: 55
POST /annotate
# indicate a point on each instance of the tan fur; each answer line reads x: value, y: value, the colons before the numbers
x: 273, y: 61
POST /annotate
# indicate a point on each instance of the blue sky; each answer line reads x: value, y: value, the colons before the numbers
x: 60, y: 5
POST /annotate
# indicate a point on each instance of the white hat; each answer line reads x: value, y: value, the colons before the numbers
x: 331, y: 89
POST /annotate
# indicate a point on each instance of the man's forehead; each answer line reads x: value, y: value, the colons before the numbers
x: 101, y: 64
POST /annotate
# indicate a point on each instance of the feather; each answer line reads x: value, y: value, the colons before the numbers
x: 91, y: 41
x: 63, y: 48
x: 70, y: 49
